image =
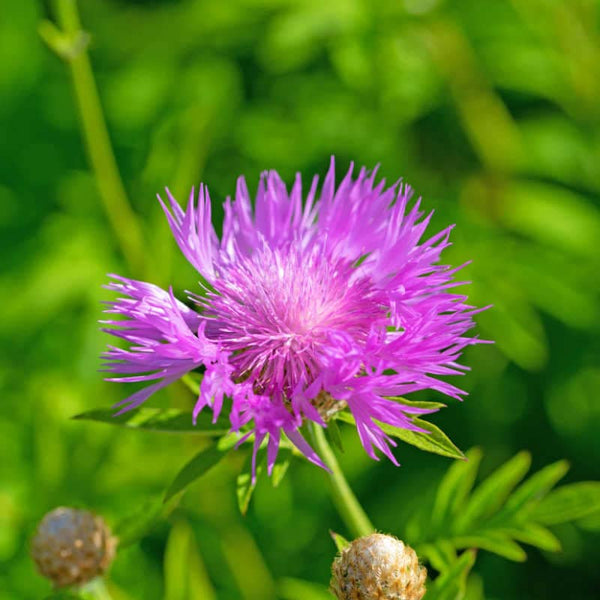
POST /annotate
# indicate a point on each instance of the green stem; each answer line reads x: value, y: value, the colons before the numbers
x: 348, y: 506
x: 96, y: 590
x: 112, y: 191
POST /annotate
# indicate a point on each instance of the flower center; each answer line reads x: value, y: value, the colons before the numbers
x: 276, y: 310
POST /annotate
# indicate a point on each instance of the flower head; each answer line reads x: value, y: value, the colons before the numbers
x: 306, y: 307
x: 378, y: 567
x: 72, y: 546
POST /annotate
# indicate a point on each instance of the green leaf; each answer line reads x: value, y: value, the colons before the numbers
x: 569, y: 503
x: 440, y: 555
x: 170, y: 420
x: 289, y: 588
x: 280, y: 468
x: 332, y: 431
x: 198, y: 466
x: 417, y: 403
x: 535, y: 487
x: 492, y: 493
x: 535, y: 535
x: 134, y: 527
x: 435, y: 441
x: 244, y: 484
x: 340, y: 541
x: 455, y: 487
x: 492, y: 541
x: 63, y: 596
x: 451, y: 584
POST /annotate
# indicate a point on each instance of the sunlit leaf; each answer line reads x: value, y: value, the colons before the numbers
x: 492, y: 493
x: 435, y: 441
x: 340, y: 541
x: 169, y: 420
x: 297, y: 589
x: 196, y: 467
x: 569, y: 503
x: 451, y: 583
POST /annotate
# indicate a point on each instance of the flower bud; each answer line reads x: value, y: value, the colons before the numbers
x: 72, y: 546
x: 378, y: 567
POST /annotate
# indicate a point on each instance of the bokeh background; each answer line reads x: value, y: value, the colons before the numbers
x: 489, y: 108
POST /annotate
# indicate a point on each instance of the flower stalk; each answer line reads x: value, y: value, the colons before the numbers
x: 70, y: 43
x: 346, y: 503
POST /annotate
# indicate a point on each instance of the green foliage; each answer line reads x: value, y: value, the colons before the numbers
x: 451, y: 584
x: 289, y: 588
x: 201, y: 463
x: 170, y: 420
x: 435, y: 440
x: 497, y: 515
x: 340, y: 541
x: 490, y: 112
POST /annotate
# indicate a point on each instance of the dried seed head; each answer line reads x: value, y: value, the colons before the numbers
x: 72, y: 546
x: 378, y: 567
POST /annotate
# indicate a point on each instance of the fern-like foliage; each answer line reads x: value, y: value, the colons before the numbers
x: 500, y: 513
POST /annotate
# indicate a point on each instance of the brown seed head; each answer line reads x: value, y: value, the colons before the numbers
x: 72, y: 546
x: 378, y: 567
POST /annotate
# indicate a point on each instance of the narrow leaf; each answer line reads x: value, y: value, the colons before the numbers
x: 441, y: 555
x: 491, y: 494
x: 451, y: 584
x: 455, y: 487
x: 418, y: 403
x: 244, y: 484
x: 340, y: 541
x: 135, y: 526
x: 435, y: 441
x: 332, y: 431
x: 296, y: 589
x: 492, y: 541
x: 280, y: 469
x: 569, y: 503
x: 535, y: 487
x: 195, y: 468
x: 534, y: 535
x: 170, y: 420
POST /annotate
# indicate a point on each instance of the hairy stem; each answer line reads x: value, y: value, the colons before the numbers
x: 348, y: 506
x: 70, y: 44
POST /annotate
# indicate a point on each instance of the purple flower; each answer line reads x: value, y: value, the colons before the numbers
x: 307, y: 307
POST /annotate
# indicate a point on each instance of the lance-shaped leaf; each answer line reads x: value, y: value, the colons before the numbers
x: 569, y: 503
x: 169, y: 420
x: 435, y: 441
x: 339, y: 540
x: 205, y: 460
x: 452, y: 582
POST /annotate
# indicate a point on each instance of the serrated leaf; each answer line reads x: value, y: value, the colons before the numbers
x: 455, y: 487
x: 289, y: 588
x: 340, y: 541
x: 568, y: 503
x: 492, y: 493
x: 493, y: 541
x: 451, y: 584
x: 196, y: 467
x: 435, y: 441
x: 169, y: 420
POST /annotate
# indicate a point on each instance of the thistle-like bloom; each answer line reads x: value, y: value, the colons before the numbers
x: 306, y: 307
x: 378, y: 567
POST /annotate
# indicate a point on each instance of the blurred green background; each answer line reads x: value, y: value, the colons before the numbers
x: 489, y: 108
